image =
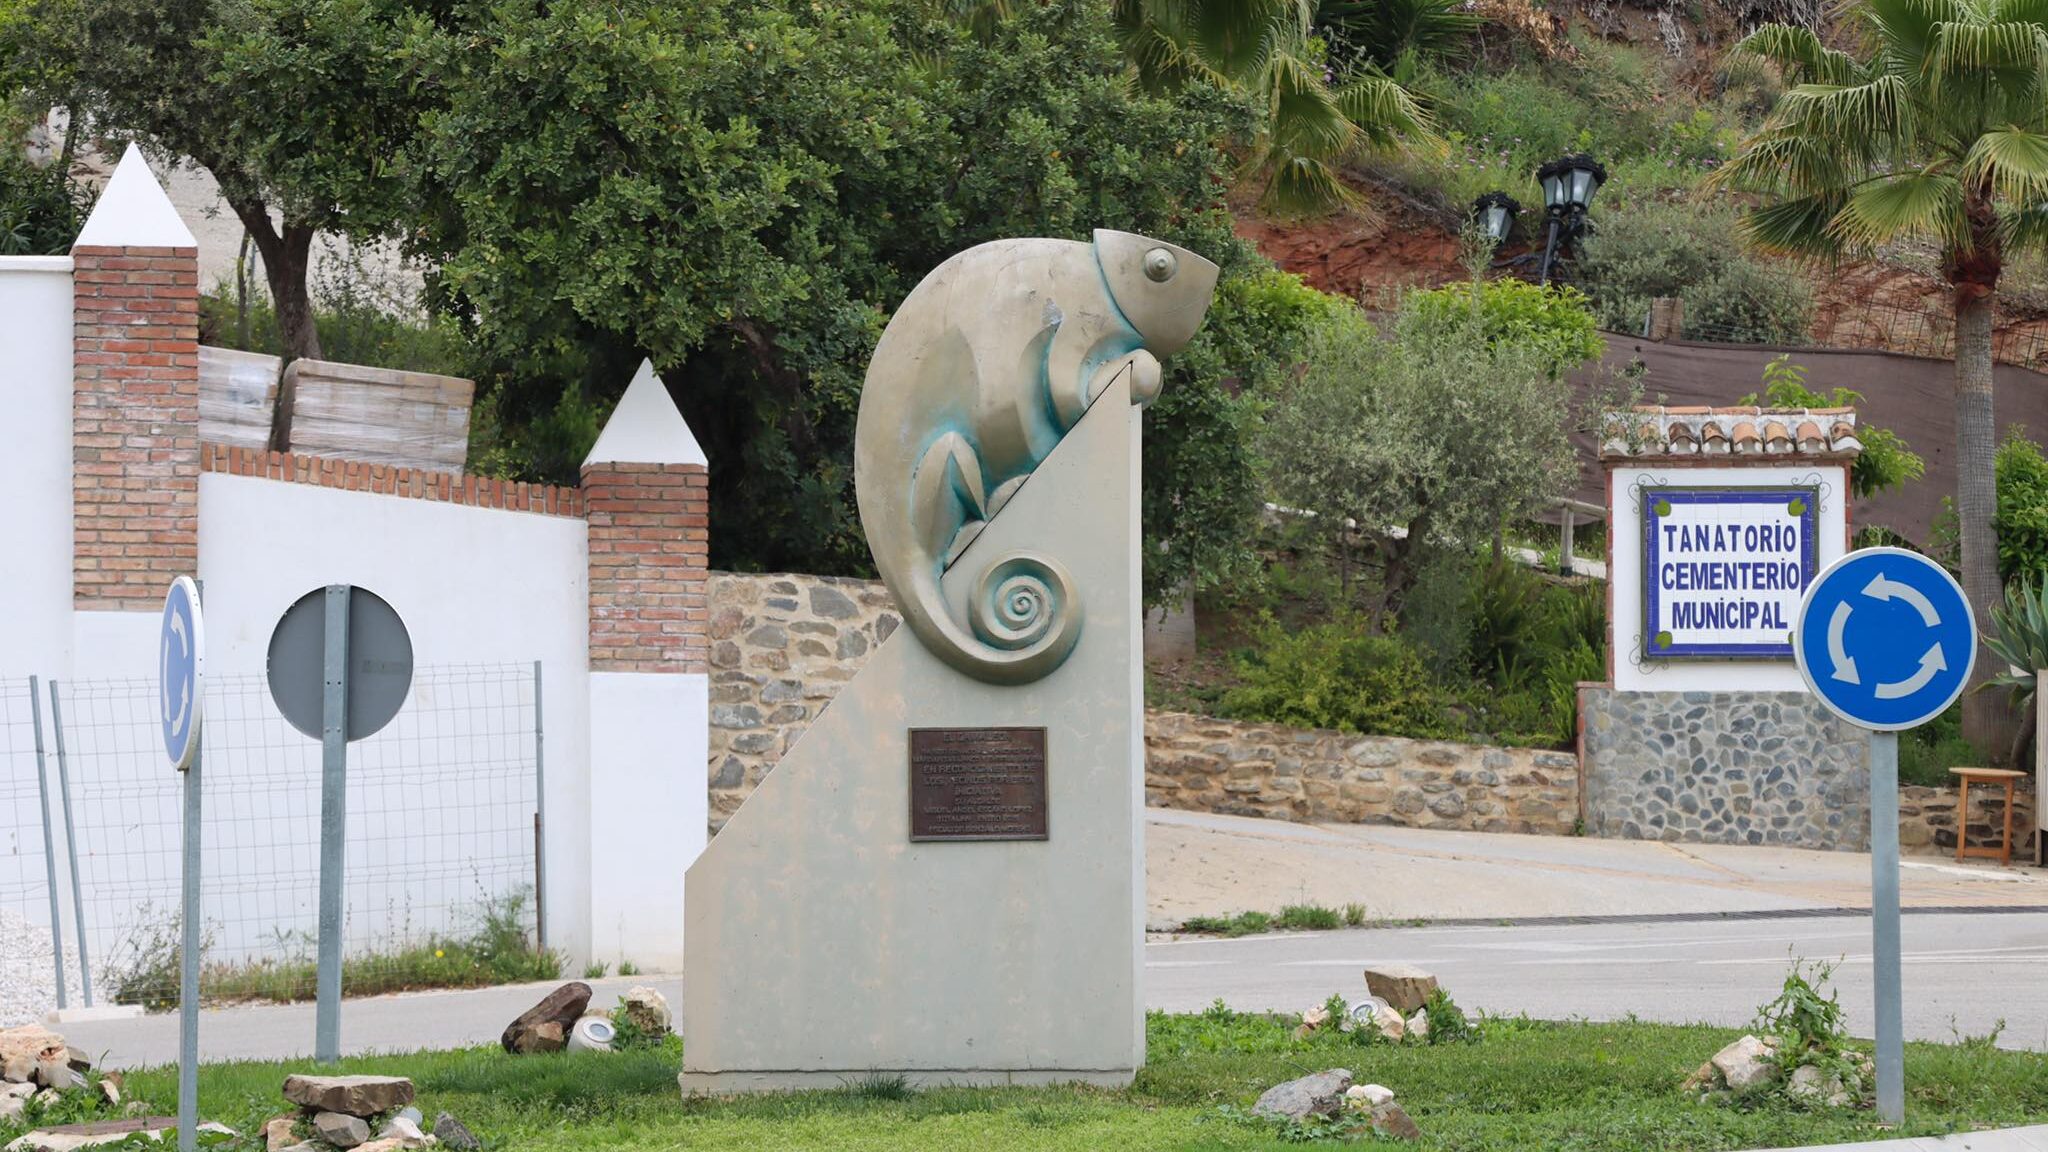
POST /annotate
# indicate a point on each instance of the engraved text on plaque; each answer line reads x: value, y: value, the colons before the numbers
x: 977, y: 784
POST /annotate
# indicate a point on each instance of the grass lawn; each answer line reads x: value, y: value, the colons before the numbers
x: 1527, y: 1085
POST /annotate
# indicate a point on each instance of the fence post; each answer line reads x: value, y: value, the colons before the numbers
x: 540, y: 811
x: 35, y: 711
x: 71, y: 844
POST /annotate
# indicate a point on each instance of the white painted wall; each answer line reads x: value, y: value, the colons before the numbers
x: 474, y: 586
x: 1625, y: 550
x: 35, y: 519
x: 648, y: 799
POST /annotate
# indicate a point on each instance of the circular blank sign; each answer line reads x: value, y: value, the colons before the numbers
x: 379, y: 663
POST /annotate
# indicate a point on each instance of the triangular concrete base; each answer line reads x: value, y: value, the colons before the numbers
x: 823, y: 945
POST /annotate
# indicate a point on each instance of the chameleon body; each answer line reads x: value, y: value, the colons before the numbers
x: 985, y: 366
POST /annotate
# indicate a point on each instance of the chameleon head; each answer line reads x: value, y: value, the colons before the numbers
x: 1162, y: 289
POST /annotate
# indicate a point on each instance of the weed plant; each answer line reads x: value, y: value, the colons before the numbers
x: 497, y: 949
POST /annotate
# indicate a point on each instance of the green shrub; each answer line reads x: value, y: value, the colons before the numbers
x: 1556, y: 322
x: 1338, y: 675
x: 2022, y: 517
x: 1885, y: 462
x: 1655, y: 249
x: 41, y: 209
x: 1928, y: 752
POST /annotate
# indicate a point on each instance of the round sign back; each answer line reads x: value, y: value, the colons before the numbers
x: 181, y: 648
x: 379, y: 663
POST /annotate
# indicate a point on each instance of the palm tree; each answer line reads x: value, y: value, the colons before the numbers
x: 1936, y: 128
x: 1311, y: 118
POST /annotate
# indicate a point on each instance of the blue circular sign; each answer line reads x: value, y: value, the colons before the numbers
x: 1885, y: 638
x: 182, y: 662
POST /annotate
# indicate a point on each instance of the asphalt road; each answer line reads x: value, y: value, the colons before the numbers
x: 1963, y: 973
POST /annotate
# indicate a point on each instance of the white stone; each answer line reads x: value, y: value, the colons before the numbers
x: 1418, y: 1025
x: 133, y: 211
x: 645, y: 427
x: 1388, y: 1021
x: 1745, y: 1064
x: 1374, y: 1095
x: 402, y: 1128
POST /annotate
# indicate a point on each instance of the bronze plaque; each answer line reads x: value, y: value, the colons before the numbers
x: 977, y: 784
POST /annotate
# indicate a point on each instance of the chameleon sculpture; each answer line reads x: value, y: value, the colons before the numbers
x: 985, y: 366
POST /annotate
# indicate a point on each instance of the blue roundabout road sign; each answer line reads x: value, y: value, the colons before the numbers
x: 1885, y: 638
x: 182, y: 648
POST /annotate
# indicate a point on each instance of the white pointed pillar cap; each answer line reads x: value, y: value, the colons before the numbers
x: 134, y: 212
x: 646, y: 428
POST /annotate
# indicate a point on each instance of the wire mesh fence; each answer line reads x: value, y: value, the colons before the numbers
x: 1923, y: 329
x: 442, y: 840
x: 30, y: 921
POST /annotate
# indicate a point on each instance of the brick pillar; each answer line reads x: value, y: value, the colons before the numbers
x: 646, y: 505
x: 649, y: 560
x: 135, y: 397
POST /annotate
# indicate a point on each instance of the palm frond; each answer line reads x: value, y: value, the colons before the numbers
x: 2012, y: 161
x: 1880, y: 107
x: 1306, y: 119
x: 1904, y: 29
x: 1795, y: 226
x: 2024, y: 228
x: 1385, y: 113
x: 1792, y: 162
x: 1800, y: 54
x: 1924, y: 203
x: 2011, y: 51
x: 1298, y: 185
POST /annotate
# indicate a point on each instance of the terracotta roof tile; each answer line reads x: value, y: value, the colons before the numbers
x: 1744, y: 430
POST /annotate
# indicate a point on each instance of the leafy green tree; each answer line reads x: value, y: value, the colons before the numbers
x: 1935, y: 128
x: 298, y: 108
x: 1311, y: 118
x: 1424, y: 441
x: 743, y: 189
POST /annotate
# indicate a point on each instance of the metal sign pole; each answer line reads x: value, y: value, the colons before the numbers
x: 333, y: 823
x: 188, y: 969
x: 71, y: 844
x: 1884, y: 925
x: 35, y: 709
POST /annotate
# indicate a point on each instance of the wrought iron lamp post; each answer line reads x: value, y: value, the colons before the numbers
x: 1568, y: 186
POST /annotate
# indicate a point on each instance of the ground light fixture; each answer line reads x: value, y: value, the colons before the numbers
x: 1568, y: 186
x: 1495, y: 213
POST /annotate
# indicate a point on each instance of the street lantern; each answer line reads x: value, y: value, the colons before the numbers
x: 1568, y: 186
x: 1495, y: 213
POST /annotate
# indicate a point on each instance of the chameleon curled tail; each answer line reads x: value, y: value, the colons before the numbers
x: 1023, y: 611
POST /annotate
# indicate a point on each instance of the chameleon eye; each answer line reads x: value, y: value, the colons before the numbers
x: 1160, y: 265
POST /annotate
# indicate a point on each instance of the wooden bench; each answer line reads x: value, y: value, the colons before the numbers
x: 1992, y: 777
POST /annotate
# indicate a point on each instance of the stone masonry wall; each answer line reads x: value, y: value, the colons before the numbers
x: 1244, y: 769
x: 1927, y: 819
x: 781, y: 646
x: 1662, y: 766
x: 1729, y: 768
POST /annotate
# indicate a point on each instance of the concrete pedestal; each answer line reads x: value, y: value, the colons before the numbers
x: 823, y: 945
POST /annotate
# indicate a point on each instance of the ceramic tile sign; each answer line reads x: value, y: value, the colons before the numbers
x: 1724, y: 568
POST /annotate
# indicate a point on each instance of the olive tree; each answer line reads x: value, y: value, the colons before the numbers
x: 1427, y: 438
